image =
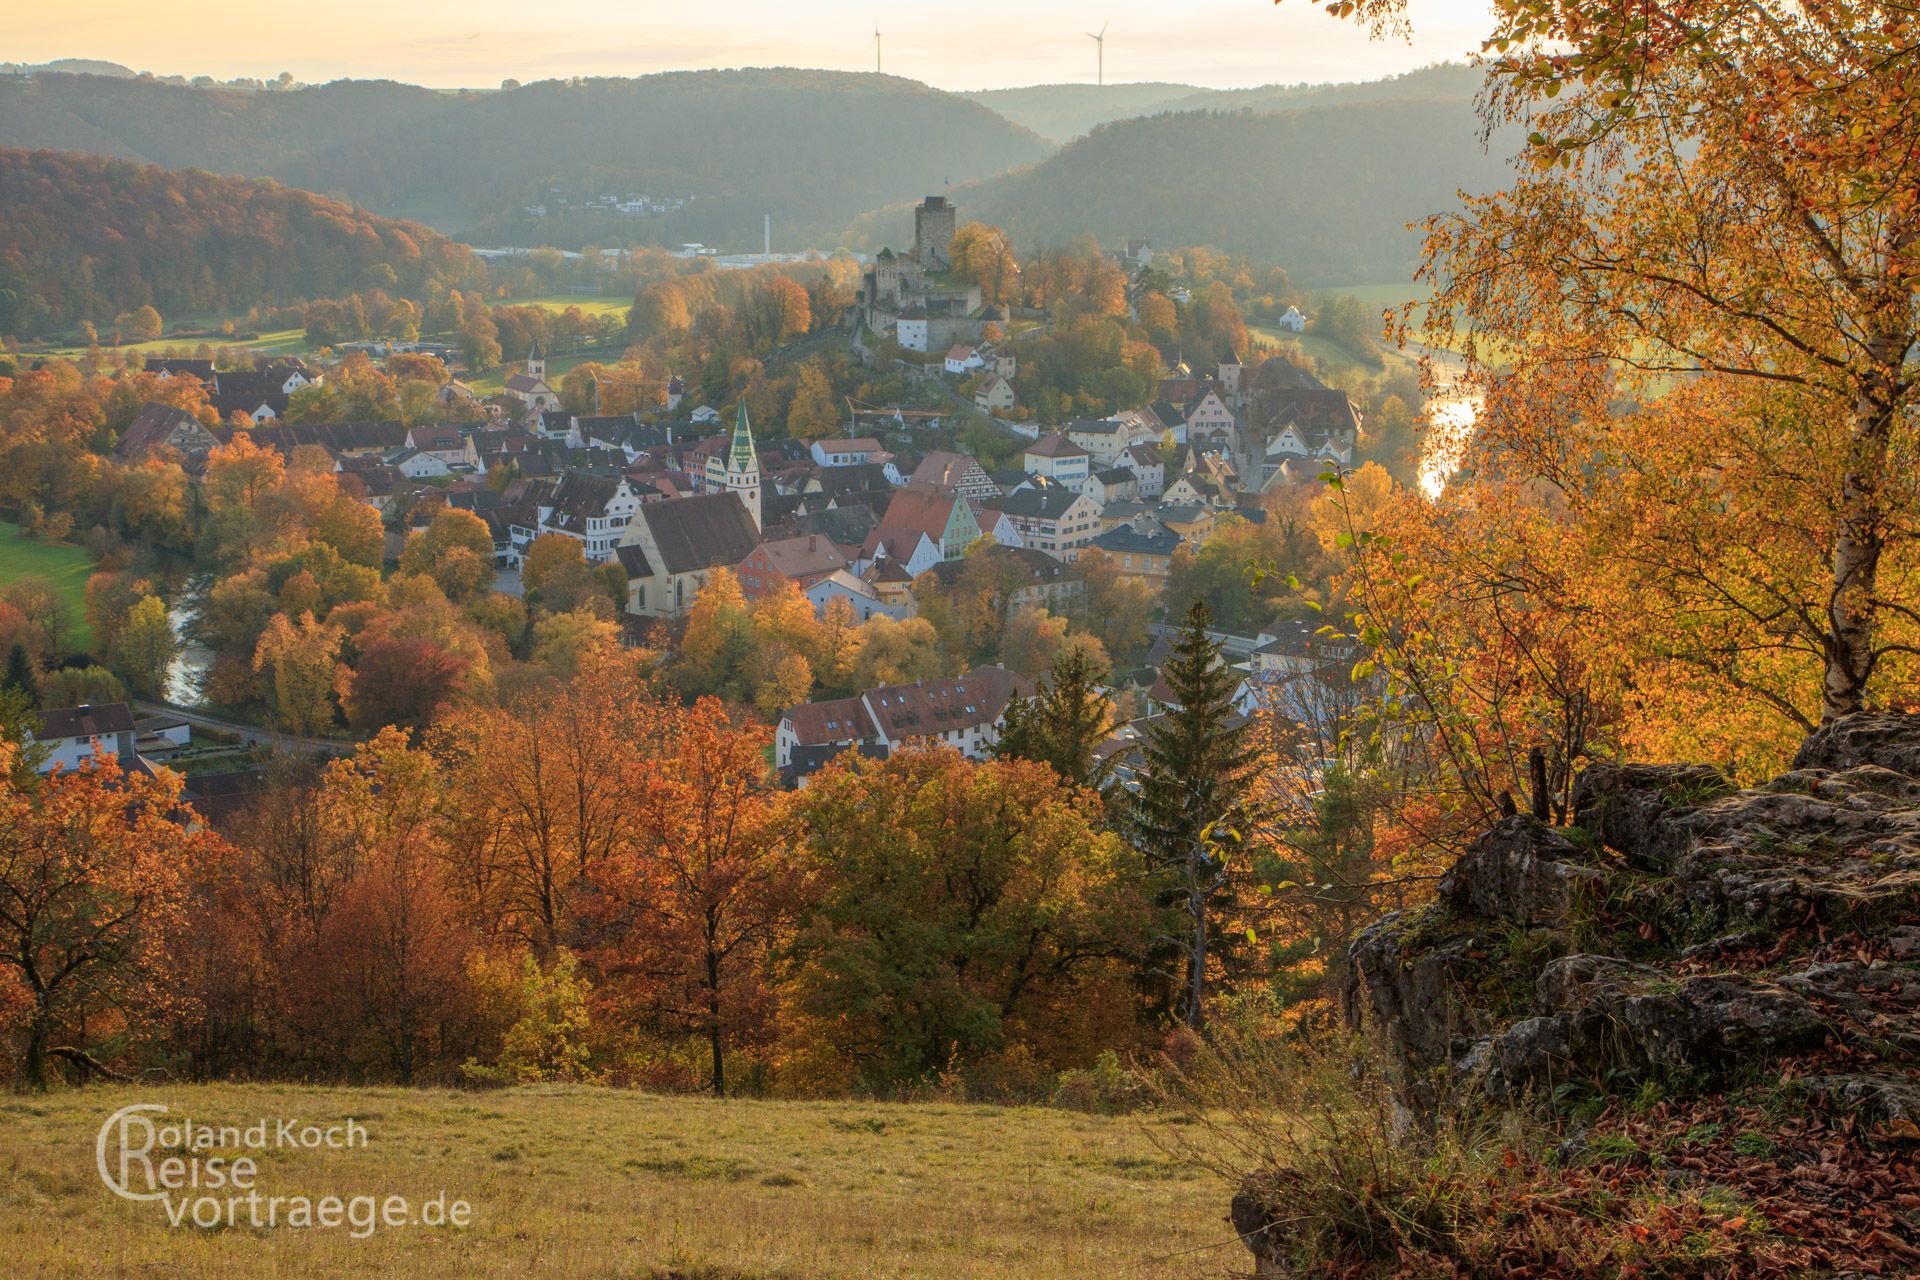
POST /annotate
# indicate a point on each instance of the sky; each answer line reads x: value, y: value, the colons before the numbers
x: 983, y: 44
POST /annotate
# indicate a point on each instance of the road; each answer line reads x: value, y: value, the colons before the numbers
x: 253, y: 733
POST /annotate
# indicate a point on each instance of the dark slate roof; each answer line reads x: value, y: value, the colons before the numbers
x: 245, y: 392
x: 634, y: 561
x: 335, y: 437
x: 1114, y: 475
x: 846, y: 526
x: 700, y: 532
x: 1038, y: 565
x: 1126, y: 540
x: 201, y: 369
x: 149, y: 430
x: 96, y: 721
x: 1038, y: 504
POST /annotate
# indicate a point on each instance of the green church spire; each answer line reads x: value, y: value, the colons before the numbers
x: 742, y: 455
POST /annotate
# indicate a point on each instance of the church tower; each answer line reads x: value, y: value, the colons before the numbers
x: 743, y: 465
x: 536, y: 362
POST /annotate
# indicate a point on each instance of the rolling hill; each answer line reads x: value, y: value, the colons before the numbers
x: 1327, y: 191
x: 1063, y: 112
x: 89, y: 238
x: 814, y: 148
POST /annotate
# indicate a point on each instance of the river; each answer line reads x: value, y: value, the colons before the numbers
x: 1451, y: 410
x: 188, y: 672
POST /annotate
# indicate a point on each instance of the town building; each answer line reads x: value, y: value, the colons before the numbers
x: 1055, y: 520
x: 964, y: 713
x: 670, y: 548
x: 1059, y: 459
x: 73, y: 736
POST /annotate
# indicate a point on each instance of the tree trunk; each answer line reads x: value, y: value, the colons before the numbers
x: 715, y: 1041
x: 39, y: 1034
x: 1197, y: 960
x: 1857, y: 544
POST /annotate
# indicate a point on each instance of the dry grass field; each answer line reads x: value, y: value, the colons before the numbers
x: 583, y: 1182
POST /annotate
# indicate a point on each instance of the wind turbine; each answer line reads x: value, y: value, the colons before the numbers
x: 1100, y: 50
x: 876, y: 48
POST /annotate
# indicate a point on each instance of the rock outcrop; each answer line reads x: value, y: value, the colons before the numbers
x: 1680, y: 929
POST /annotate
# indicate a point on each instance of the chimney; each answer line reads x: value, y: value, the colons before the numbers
x: 811, y: 538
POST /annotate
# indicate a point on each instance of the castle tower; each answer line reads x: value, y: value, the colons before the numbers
x: 933, y: 233
x: 743, y: 465
x: 536, y: 362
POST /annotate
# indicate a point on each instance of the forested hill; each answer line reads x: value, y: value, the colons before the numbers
x: 1326, y: 191
x: 1062, y: 112
x: 814, y: 148
x: 90, y: 238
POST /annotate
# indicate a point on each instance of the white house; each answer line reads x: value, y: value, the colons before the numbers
x: 1058, y: 458
x: 911, y: 333
x: 74, y: 735
x: 845, y: 452
x: 1293, y: 321
x: 415, y: 465
x: 963, y: 359
x: 593, y: 510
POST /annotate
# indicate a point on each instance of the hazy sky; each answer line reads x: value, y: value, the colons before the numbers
x: 979, y: 44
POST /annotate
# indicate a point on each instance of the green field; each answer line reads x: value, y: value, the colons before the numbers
x: 580, y: 1182
x: 65, y: 566
x: 592, y: 303
x: 278, y: 342
x: 493, y: 380
x: 1393, y: 294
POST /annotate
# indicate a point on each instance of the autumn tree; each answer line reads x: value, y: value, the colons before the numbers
x: 144, y: 647
x: 394, y: 946
x: 547, y: 775
x: 93, y: 873
x: 300, y: 655
x: 1720, y: 200
x: 558, y: 579
x: 895, y: 652
x: 964, y: 910
x: 692, y: 912
x: 455, y: 550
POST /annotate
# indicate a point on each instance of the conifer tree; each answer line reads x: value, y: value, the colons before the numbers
x: 1191, y: 813
x: 1065, y: 721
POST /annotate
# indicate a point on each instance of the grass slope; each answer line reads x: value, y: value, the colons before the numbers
x: 66, y: 567
x: 584, y: 1182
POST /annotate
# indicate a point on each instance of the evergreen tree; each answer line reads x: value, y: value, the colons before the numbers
x: 1191, y: 814
x: 20, y: 676
x: 1064, y: 722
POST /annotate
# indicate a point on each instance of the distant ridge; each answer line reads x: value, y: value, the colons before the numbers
x: 1326, y: 191
x: 813, y: 148
x: 1063, y: 112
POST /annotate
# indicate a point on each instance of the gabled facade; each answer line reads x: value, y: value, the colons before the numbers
x: 1058, y: 458
x: 670, y: 548
x: 964, y: 713
x: 1057, y: 521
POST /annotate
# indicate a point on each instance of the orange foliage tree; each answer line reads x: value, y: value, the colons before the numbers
x: 93, y: 878
x: 688, y: 916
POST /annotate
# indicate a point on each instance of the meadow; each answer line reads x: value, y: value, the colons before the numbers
x: 582, y: 1182
x: 59, y: 563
